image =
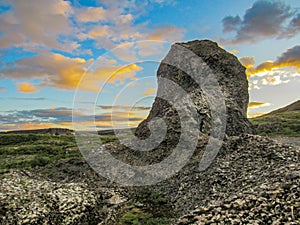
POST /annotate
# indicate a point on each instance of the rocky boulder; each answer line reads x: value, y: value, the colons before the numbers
x: 212, y: 61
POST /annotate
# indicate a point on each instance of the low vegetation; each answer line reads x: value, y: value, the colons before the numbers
x: 151, y: 208
x: 35, y: 150
x: 283, y: 123
x: 32, y: 150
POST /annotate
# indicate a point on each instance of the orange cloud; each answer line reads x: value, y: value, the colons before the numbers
x: 115, y: 119
x: 92, y: 14
x: 263, y: 67
x: 252, y: 105
x: 99, y: 32
x: 275, y: 80
x: 247, y: 61
x: 28, y: 126
x: 170, y: 33
x: 69, y: 71
x: 63, y: 72
x: 290, y: 58
x: 36, y: 125
x: 124, y: 108
x: 234, y: 51
x: 253, y: 115
x: 27, y: 88
x: 111, y: 74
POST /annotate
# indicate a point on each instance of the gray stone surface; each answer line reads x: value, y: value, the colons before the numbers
x: 227, y: 70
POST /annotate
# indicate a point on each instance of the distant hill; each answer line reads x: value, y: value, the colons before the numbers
x: 64, y: 131
x: 52, y: 131
x: 284, y: 121
x: 290, y: 108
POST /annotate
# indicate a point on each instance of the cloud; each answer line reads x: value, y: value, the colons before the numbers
x: 36, y: 23
x: 62, y: 72
x: 114, y: 74
x: 92, y: 14
x: 38, y: 115
x: 111, y: 24
x: 26, y: 126
x: 275, y: 80
x: 150, y: 91
x: 117, y: 23
x: 164, y: 2
x: 234, y: 51
x: 99, y: 32
x: 265, y: 19
x: 124, y: 108
x: 43, y: 115
x: 293, y: 28
x: 231, y: 23
x: 252, y: 105
x: 60, y: 25
x: 290, y: 58
x: 28, y: 99
x: 40, y: 28
x: 126, y: 52
x: 26, y: 88
x: 53, y: 69
x: 170, y: 33
x: 253, y: 115
x: 57, y: 117
x: 247, y: 61
x: 280, y: 71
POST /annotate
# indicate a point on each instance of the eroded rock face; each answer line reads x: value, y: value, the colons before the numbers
x: 228, y: 72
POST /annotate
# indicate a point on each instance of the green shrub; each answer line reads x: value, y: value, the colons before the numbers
x: 142, y: 218
x: 107, y: 139
x: 153, y: 209
x: 39, y: 161
x: 132, y: 218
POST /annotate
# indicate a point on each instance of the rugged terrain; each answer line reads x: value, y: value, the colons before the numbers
x: 253, y: 179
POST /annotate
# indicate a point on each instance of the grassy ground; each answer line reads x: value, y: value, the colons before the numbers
x: 150, y: 208
x: 33, y: 150
x: 285, y: 124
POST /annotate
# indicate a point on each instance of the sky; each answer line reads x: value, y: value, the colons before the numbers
x: 98, y: 58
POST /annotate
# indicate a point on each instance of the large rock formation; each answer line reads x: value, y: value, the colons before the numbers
x: 229, y: 74
x: 202, y: 91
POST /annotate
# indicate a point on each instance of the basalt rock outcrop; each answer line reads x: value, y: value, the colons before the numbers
x: 210, y: 59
